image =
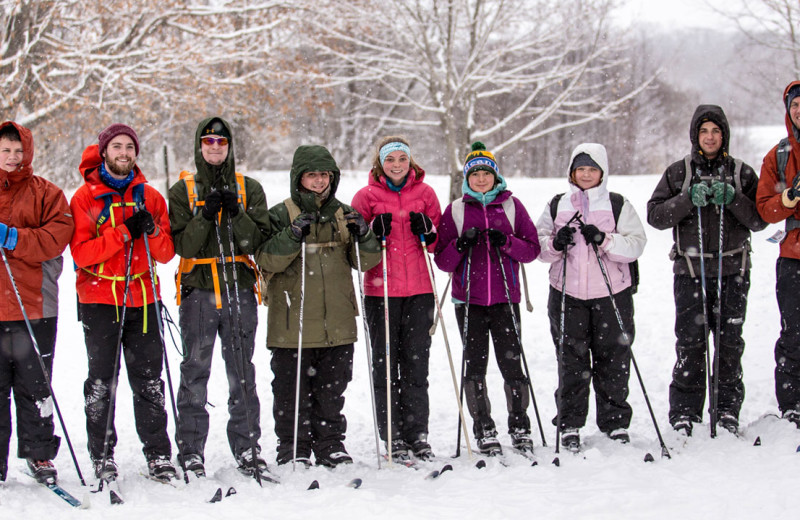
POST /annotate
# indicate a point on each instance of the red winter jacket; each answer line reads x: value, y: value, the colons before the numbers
x: 39, y: 211
x: 407, y: 273
x: 768, y: 196
x: 101, y: 254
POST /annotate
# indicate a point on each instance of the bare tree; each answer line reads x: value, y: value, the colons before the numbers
x: 504, y: 71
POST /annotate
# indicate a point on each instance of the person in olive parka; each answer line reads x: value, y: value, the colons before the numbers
x: 202, y: 207
x: 329, y: 229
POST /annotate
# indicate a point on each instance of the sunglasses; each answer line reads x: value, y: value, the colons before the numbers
x: 222, y: 141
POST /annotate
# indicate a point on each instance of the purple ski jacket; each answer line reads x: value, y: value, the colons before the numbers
x: 486, y: 277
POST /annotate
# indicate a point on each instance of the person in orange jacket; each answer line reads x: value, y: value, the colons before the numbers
x: 35, y: 227
x: 777, y: 200
x: 113, y: 211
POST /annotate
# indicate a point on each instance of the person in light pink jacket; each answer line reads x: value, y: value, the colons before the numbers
x: 404, y: 210
x: 595, y: 350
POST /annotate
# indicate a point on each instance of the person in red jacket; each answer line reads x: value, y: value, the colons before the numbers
x: 777, y: 200
x: 113, y: 211
x: 35, y: 227
x: 401, y: 208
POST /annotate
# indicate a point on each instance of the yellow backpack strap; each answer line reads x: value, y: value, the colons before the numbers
x: 292, y: 208
x: 341, y: 222
x: 240, y: 191
x: 191, y: 189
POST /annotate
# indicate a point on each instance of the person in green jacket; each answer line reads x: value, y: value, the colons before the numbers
x: 203, y: 207
x: 329, y: 229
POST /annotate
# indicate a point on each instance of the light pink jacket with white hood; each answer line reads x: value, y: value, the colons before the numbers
x: 624, y: 241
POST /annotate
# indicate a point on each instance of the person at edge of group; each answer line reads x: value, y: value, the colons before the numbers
x: 477, y: 232
x: 35, y: 228
x: 203, y: 207
x: 315, y: 228
x: 113, y: 211
x: 777, y: 200
x: 595, y: 350
x: 402, y: 208
x: 679, y: 199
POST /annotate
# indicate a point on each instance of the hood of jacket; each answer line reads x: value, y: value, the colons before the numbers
x: 90, y: 171
x: 312, y: 158
x: 215, y: 176
x: 714, y: 114
x: 25, y: 169
x: 598, y: 154
x: 793, y: 131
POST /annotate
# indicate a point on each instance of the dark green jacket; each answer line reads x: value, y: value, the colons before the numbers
x: 195, y: 236
x: 329, y: 310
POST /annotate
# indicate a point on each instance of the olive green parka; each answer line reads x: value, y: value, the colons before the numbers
x: 329, y: 309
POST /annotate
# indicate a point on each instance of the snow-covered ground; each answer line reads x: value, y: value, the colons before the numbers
x: 726, y: 477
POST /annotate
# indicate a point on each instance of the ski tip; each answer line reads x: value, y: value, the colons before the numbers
x: 217, y: 497
x: 557, y: 462
x: 480, y: 464
x: 115, y: 498
x: 433, y: 474
x: 648, y: 457
x: 534, y: 463
x: 757, y: 441
x: 798, y: 449
x: 86, y: 502
x: 231, y: 491
x: 355, y: 483
x: 446, y: 467
x: 313, y: 485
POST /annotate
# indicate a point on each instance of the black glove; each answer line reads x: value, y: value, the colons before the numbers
x: 140, y: 222
x: 356, y: 224
x: 496, y: 237
x: 420, y: 223
x: 794, y: 191
x: 302, y: 225
x: 382, y: 224
x: 212, y: 205
x: 230, y: 202
x: 564, y: 238
x: 592, y: 235
x: 468, y: 239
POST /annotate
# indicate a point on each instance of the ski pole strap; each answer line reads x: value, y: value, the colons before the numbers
x: 115, y: 279
x: 186, y: 265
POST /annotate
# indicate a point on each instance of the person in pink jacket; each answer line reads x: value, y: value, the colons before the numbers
x: 595, y: 350
x: 403, y: 209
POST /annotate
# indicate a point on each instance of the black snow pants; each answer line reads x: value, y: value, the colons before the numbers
x: 20, y: 371
x: 497, y: 320
x: 410, y: 320
x: 143, y: 355
x: 200, y: 323
x: 324, y: 375
x: 687, y: 392
x: 597, y: 353
x: 787, y: 348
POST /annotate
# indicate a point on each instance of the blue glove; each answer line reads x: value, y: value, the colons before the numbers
x: 8, y: 237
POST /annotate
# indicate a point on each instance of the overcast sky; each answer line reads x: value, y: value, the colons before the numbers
x: 671, y: 13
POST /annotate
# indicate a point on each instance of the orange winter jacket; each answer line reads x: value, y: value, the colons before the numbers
x: 770, y: 189
x: 100, y: 249
x: 39, y: 211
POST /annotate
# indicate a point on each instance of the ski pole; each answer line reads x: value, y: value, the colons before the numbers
x: 368, y: 343
x: 112, y: 391
x: 447, y: 349
x: 519, y: 343
x: 432, y: 330
x: 718, y: 310
x: 705, y: 308
x: 560, y: 351
x: 236, y: 339
x: 299, y: 350
x: 387, y: 355
x: 47, y: 379
x: 629, y: 342
x: 157, y: 305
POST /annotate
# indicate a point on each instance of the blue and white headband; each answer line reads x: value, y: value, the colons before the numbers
x: 393, y: 147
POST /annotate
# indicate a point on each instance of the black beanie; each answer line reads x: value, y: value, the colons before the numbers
x: 793, y: 93
x: 584, y: 159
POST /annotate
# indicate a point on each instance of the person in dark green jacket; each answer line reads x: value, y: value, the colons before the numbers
x: 329, y: 230
x: 202, y: 209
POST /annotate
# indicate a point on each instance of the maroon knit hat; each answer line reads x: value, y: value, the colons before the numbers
x: 113, y: 131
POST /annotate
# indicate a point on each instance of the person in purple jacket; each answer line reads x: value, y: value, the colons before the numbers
x: 595, y: 350
x: 486, y: 221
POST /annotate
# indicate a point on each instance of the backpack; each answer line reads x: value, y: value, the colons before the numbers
x: 617, y: 201
x: 294, y: 211
x: 510, y: 209
x: 782, y: 159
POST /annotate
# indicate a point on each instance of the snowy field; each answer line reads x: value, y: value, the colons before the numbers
x: 726, y: 477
